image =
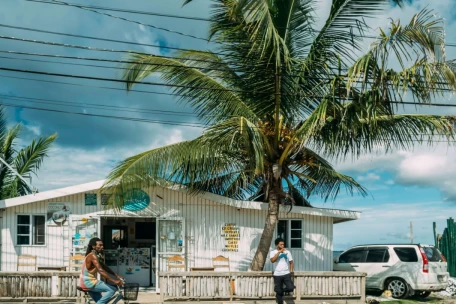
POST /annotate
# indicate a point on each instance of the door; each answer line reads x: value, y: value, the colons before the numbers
x: 115, y: 236
x: 377, y: 266
x: 170, y: 242
x: 351, y: 260
x: 82, y: 229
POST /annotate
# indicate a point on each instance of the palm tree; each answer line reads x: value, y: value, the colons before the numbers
x: 280, y: 98
x: 24, y: 161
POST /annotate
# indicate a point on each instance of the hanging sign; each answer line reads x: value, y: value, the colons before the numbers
x: 57, y: 213
x: 231, y: 234
x: 90, y: 199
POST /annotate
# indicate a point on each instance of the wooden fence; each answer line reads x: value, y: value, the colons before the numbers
x: 260, y: 285
x: 42, y: 284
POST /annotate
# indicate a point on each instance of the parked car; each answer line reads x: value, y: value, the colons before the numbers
x: 404, y: 269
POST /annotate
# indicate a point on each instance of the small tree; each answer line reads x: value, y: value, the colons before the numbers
x: 26, y: 161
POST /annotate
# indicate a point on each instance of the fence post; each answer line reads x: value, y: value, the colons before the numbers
x: 298, y: 287
x: 363, y: 288
x: 55, y: 285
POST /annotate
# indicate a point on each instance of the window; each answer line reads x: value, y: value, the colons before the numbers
x: 433, y: 254
x: 406, y: 254
x: 291, y: 232
x: 377, y: 255
x: 145, y: 231
x: 31, y: 229
x: 353, y: 256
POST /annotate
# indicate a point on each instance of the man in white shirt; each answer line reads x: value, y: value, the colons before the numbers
x: 283, y: 269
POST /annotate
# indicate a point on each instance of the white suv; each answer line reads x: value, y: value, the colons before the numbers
x: 405, y: 270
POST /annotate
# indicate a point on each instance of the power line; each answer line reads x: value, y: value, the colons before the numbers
x: 182, y: 95
x: 165, y: 122
x: 96, y: 106
x: 108, y: 50
x: 172, y: 122
x: 133, y: 21
x: 133, y: 62
x: 88, y: 48
x: 91, y: 86
x: 170, y: 94
x: 124, y: 81
x: 87, y: 7
x: 115, y: 41
x: 96, y: 38
x: 186, y: 124
x: 123, y: 10
x: 97, y: 59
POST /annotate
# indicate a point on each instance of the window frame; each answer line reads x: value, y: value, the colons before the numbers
x: 288, y: 233
x: 31, y: 230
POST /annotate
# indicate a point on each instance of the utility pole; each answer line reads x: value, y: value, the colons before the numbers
x: 411, y: 232
x: 4, y: 163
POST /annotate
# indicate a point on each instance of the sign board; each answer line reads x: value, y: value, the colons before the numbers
x: 105, y: 199
x: 231, y: 234
x: 90, y: 199
x: 57, y: 213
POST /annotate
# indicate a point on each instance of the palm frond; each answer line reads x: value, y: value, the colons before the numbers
x: 196, y: 164
x: 28, y: 161
x: 196, y: 82
x: 3, y: 126
x: 361, y: 126
x: 419, y: 47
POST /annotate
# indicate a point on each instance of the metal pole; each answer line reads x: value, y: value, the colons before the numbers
x: 411, y: 232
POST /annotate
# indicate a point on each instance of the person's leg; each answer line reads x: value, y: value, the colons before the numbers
x: 289, y: 285
x: 108, y: 292
x: 96, y: 296
x: 278, y: 282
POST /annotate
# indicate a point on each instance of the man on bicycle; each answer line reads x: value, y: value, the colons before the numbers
x: 92, y: 266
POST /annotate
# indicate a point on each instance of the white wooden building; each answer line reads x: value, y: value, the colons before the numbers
x: 54, y: 225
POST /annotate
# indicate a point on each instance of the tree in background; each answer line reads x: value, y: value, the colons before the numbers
x: 26, y: 161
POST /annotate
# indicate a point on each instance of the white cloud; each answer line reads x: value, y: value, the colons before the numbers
x: 369, y: 177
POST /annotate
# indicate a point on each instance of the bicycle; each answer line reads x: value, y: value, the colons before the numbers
x: 130, y: 295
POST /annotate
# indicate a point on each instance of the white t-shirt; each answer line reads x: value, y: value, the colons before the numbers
x: 282, y: 264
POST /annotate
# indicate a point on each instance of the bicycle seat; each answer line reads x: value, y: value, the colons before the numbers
x: 80, y: 289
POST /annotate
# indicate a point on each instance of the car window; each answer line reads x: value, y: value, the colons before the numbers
x: 353, y: 256
x: 377, y: 256
x: 433, y: 254
x: 406, y: 254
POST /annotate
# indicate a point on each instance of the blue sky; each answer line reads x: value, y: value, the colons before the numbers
x: 404, y: 186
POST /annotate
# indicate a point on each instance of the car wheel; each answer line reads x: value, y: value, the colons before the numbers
x: 398, y: 288
x: 422, y: 294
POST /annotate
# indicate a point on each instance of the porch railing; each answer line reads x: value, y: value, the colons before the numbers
x: 259, y: 285
x: 41, y: 284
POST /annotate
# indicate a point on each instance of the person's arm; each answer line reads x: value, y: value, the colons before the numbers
x: 102, y: 271
x: 276, y: 256
x: 290, y: 258
x: 108, y: 270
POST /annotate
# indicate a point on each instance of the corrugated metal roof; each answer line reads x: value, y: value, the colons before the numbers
x: 336, y: 214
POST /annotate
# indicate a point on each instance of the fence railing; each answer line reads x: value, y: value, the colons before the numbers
x: 40, y: 284
x: 259, y: 285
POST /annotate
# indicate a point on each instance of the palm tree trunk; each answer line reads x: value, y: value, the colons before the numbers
x: 268, y: 232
